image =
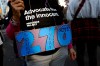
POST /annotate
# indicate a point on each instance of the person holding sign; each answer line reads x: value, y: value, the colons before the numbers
x: 83, y: 15
x: 56, y: 57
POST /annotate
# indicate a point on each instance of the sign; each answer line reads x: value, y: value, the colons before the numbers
x: 43, y: 13
x: 42, y: 27
x: 43, y: 39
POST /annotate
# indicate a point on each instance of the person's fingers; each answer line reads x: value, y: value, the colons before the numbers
x: 20, y: 8
x: 18, y: 5
x: 73, y: 56
x: 18, y: 1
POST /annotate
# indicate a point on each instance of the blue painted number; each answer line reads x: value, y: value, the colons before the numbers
x: 64, y: 35
x: 49, y: 32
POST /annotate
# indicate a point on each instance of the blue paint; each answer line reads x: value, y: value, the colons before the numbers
x: 49, y: 32
x: 64, y: 35
x: 26, y: 38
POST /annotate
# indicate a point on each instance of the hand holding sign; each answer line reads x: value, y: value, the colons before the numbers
x: 17, y: 6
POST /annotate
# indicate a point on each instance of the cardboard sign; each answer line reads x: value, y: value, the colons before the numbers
x: 42, y: 27
x: 43, y: 39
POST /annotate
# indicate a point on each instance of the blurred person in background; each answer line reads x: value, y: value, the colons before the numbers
x: 2, y: 21
x: 85, y: 28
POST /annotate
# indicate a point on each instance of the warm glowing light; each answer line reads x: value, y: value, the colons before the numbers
x: 62, y: 3
x: 4, y: 9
